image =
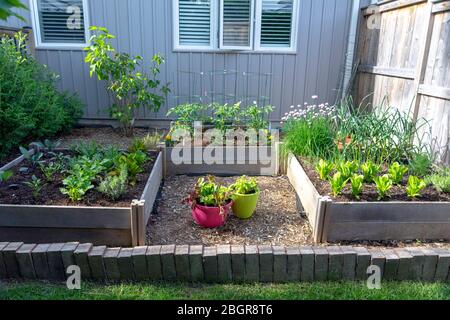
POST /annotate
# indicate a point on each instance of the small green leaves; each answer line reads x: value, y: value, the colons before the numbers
x: 5, y: 175
x: 397, y: 172
x: 357, y: 182
x: 370, y: 170
x: 324, y: 169
x: 384, y: 184
x: 338, y: 183
x: 415, y: 186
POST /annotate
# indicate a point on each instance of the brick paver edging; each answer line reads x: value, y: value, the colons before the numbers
x: 221, y: 263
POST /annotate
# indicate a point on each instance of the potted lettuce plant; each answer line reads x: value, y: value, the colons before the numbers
x: 210, y: 203
x: 246, y: 195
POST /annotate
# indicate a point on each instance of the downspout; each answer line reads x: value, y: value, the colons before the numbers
x: 351, y: 48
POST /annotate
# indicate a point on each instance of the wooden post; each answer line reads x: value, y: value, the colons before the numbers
x: 423, y: 57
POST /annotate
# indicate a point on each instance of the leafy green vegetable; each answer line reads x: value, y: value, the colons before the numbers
x: 415, y: 186
x: 115, y: 187
x: 5, y: 175
x: 35, y: 185
x: 245, y: 185
x: 397, y: 172
x: 76, y: 186
x: 347, y: 168
x: 357, y: 182
x: 370, y: 170
x: 338, y: 183
x: 324, y: 169
x: 384, y: 184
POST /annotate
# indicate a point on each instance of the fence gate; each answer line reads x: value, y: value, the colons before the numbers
x: 404, y: 57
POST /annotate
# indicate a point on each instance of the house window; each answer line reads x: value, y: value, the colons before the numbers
x: 60, y: 23
x: 259, y: 25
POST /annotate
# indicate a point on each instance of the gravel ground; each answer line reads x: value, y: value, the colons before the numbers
x: 276, y: 221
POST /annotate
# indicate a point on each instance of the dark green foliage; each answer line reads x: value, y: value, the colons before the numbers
x: 30, y: 105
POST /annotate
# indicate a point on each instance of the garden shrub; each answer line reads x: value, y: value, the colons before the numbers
x: 30, y: 105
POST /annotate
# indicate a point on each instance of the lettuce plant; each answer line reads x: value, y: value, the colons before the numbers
x: 245, y: 185
x: 370, y: 170
x: 384, y: 184
x: 397, y: 172
x: 415, y: 186
x: 357, y: 182
x: 347, y: 168
x: 324, y: 169
x: 338, y: 182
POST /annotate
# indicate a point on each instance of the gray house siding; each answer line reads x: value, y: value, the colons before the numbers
x: 145, y: 27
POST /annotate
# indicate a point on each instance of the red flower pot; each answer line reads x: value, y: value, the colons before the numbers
x: 211, y: 217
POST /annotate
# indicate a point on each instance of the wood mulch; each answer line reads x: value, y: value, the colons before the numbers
x: 397, y: 193
x: 276, y: 221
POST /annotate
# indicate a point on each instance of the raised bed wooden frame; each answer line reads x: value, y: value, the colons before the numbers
x: 98, y: 225
x: 353, y: 221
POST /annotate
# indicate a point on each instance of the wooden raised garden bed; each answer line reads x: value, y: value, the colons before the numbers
x: 112, y: 226
x: 232, y: 161
x: 353, y: 221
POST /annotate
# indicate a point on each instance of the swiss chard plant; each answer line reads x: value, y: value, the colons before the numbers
x: 209, y: 193
x: 384, y: 184
x: 415, y: 187
x: 131, y: 88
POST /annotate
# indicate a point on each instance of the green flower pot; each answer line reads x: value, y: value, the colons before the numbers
x: 245, y: 205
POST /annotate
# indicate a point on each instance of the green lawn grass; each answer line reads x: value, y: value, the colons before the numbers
x: 161, y: 291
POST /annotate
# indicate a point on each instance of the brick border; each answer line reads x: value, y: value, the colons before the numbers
x: 221, y: 264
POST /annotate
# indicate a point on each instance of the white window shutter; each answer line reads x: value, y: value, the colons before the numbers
x: 61, y: 21
x: 194, y: 23
x: 278, y: 20
x: 236, y: 27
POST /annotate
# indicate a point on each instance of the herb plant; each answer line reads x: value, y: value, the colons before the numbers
x: 50, y: 170
x: 131, y: 88
x: 338, y: 183
x: 397, y: 172
x: 324, y: 169
x: 384, y: 184
x: 5, y: 175
x: 35, y: 185
x: 420, y: 164
x: 76, y: 186
x: 357, y: 182
x: 441, y: 180
x: 415, y: 186
x: 245, y: 185
x: 370, y: 170
x: 115, y: 187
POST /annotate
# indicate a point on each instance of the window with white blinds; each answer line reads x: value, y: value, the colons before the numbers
x: 276, y: 23
x: 260, y: 25
x: 236, y: 24
x: 61, y: 22
x: 194, y: 22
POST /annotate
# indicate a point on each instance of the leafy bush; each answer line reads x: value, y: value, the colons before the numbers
x: 420, y: 164
x: 370, y: 170
x: 441, y: 180
x: 30, y: 105
x: 131, y: 88
x: 257, y: 117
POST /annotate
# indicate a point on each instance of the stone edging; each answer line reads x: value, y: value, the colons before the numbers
x: 220, y: 264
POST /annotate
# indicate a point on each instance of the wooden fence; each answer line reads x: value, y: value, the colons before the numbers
x: 404, y: 57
